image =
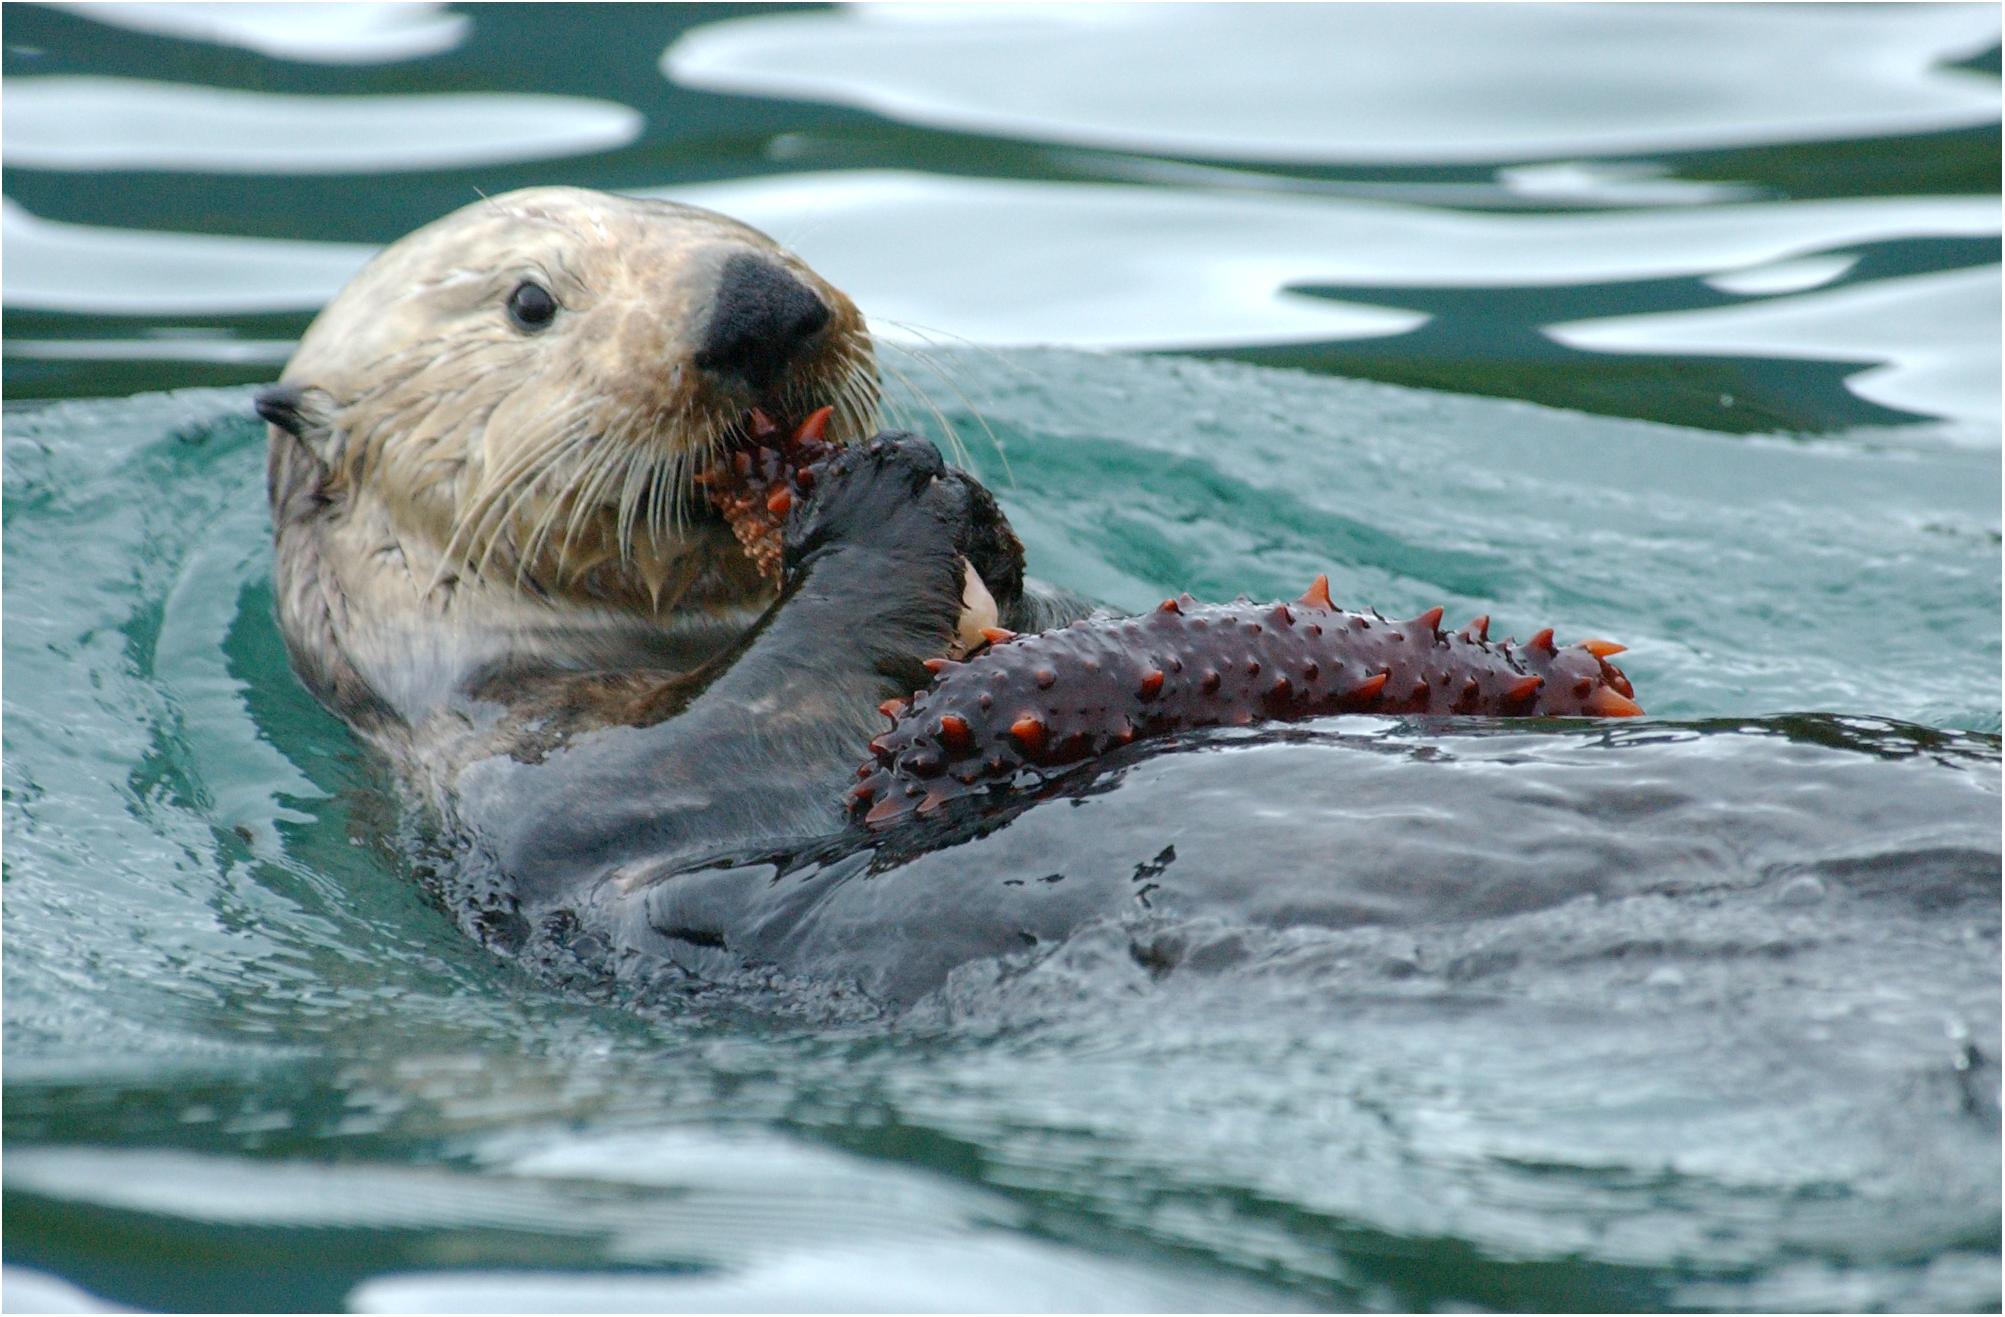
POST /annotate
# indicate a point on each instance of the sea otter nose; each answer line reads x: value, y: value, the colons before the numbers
x: 763, y: 318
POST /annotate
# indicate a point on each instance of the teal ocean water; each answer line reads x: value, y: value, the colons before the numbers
x: 1678, y: 325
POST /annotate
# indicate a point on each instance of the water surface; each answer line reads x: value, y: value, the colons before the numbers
x: 1711, y: 301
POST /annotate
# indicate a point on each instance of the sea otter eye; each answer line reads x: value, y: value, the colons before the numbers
x: 531, y: 307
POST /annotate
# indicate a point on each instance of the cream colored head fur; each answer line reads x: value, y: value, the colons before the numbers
x: 460, y: 487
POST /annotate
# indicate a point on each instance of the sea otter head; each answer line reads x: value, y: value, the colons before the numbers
x: 486, y: 443
x: 528, y: 385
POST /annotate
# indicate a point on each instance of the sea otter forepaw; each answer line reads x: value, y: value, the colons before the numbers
x: 895, y: 493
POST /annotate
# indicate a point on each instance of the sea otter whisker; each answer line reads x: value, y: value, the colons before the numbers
x: 646, y: 471
x: 627, y: 514
x: 612, y: 462
x: 654, y: 519
x: 632, y: 471
x: 493, y: 484
x: 465, y: 537
x: 506, y: 515
x: 678, y: 495
x: 874, y: 407
x: 857, y: 417
x: 583, y: 502
x: 932, y: 333
x: 678, y: 488
x: 926, y: 360
x: 500, y: 493
x: 829, y: 393
x: 948, y: 434
x: 849, y: 411
x: 505, y: 493
x: 859, y: 397
x: 537, y: 540
x: 590, y: 474
x: 713, y: 439
x: 591, y: 488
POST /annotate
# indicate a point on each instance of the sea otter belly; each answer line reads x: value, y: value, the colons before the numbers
x: 1224, y: 848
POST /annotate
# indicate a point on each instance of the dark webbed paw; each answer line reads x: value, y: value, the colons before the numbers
x: 878, y: 493
x: 894, y: 495
x: 991, y: 546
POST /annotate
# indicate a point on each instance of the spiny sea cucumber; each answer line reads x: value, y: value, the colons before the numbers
x: 1061, y: 697
x: 1050, y: 700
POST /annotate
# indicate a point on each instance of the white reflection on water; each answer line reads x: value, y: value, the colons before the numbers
x: 750, y: 1221
x: 81, y: 267
x: 312, y: 33
x: 226, y: 1190
x: 1923, y: 328
x: 989, y: 1272
x: 124, y: 123
x: 1361, y: 82
x: 1568, y: 183
x: 22, y: 1290
x: 1015, y: 264
x: 1791, y: 276
x: 1577, y: 183
x: 215, y: 350
x: 996, y: 253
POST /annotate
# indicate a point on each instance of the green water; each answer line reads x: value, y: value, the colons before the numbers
x: 249, y: 1066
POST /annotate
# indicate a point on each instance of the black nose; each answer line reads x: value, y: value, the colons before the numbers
x: 763, y: 318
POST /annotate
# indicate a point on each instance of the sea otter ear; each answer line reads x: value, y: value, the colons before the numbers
x: 279, y: 404
x: 301, y: 412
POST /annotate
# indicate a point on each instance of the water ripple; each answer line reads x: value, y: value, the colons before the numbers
x: 320, y: 34
x: 82, y: 123
x: 1358, y: 83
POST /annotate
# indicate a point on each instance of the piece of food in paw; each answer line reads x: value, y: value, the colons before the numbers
x: 1046, y: 701
x: 979, y: 614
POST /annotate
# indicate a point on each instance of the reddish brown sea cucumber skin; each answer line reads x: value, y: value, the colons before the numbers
x: 1050, y: 700
x: 753, y: 486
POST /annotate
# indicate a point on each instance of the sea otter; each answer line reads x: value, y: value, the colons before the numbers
x: 492, y: 559
x: 630, y: 747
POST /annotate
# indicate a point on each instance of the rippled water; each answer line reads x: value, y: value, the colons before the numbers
x: 1751, y: 253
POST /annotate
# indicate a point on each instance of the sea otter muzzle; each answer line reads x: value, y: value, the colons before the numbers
x: 762, y: 320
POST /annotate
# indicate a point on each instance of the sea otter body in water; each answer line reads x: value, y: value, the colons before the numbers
x: 497, y: 464
x: 494, y: 561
